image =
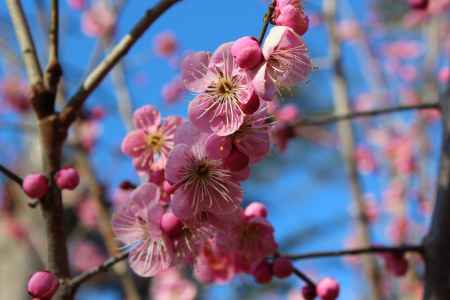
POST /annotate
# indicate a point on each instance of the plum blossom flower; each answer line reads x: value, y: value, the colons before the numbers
x: 15, y: 94
x: 252, y: 239
x: 214, y: 264
x: 98, y: 21
x: 76, y: 4
x: 291, y: 13
x: 222, y: 89
x: 172, y: 285
x: 287, y: 62
x: 173, y: 91
x: 137, y: 225
x: 165, y: 44
x: 201, y: 184
x: 152, y: 140
x: 252, y: 139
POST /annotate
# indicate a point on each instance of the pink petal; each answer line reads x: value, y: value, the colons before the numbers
x: 178, y: 159
x: 263, y: 85
x: 194, y: 70
x: 147, y: 117
x: 218, y: 147
x: 134, y: 143
x: 199, y: 114
x: 152, y: 257
x: 188, y: 134
x: 273, y: 39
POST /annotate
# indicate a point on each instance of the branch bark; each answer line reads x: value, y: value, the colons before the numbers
x: 437, y: 241
x: 364, y: 114
x: 340, y: 94
x: 358, y: 251
x: 83, y: 277
x: 11, y: 175
x: 75, y: 104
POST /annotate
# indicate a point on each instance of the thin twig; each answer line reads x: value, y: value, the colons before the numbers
x: 26, y: 43
x: 304, y: 277
x: 74, y: 105
x: 11, y: 175
x: 53, y: 72
x: 364, y: 114
x: 78, y: 280
x: 266, y: 22
x: 357, y: 251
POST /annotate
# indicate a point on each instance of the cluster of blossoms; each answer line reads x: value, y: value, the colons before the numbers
x: 188, y: 210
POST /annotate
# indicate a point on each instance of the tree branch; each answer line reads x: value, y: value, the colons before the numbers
x: 358, y: 251
x: 73, y: 107
x: 437, y: 241
x: 11, y: 175
x: 53, y: 72
x: 345, y: 132
x: 364, y: 114
x: 75, y: 282
x: 266, y: 21
x: 304, y: 277
x: 26, y: 43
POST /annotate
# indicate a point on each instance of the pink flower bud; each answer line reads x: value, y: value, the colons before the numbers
x: 396, y: 264
x: 171, y: 225
x: 35, y: 185
x: 76, y: 4
x: 246, y: 52
x: 236, y: 161
x: 67, y: 179
x: 328, y: 289
x: 309, y: 292
x: 282, y: 267
x: 294, y: 18
x: 256, y: 209
x: 263, y: 273
x: 251, y: 105
x: 42, y: 285
x: 418, y: 4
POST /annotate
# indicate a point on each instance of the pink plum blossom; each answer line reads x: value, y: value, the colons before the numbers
x: 137, y: 225
x: 173, y: 91
x: 287, y: 62
x: 165, y: 44
x: 214, y: 265
x: 98, y: 21
x: 293, y: 17
x: 14, y: 93
x: 76, y: 4
x: 152, y: 140
x: 171, y: 284
x: 222, y: 89
x: 202, y: 183
x: 251, y: 140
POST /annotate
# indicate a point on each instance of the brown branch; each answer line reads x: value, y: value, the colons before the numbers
x: 437, y: 241
x: 11, y: 175
x: 73, y: 107
x: 75, y: 282
x: 267, y: 18
x: 304, y: 277
x: 364, y: 114
x: 342, y: 107
x: 53, y: 72
x: 26, y: 43
x: 357, y: 251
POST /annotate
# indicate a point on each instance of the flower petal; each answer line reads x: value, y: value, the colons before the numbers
x: 147, y: 117
x: 194, y: 71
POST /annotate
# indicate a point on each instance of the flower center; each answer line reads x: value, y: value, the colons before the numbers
x: 225, y: 86
x: 155, y: 141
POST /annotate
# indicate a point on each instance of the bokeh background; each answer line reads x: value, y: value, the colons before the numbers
x: 391, y: 56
